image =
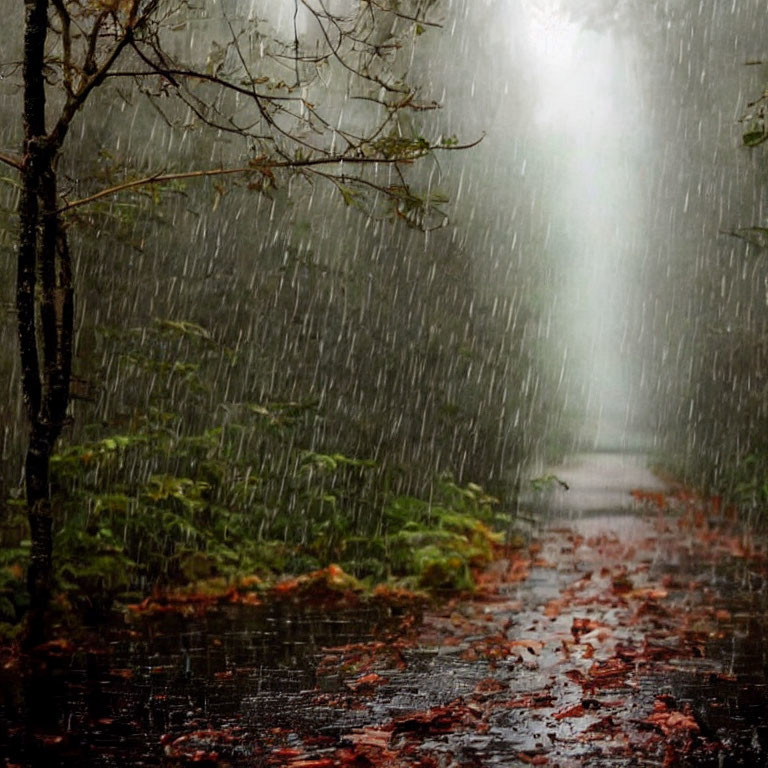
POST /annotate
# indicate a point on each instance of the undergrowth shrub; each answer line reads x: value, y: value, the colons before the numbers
x: 157, y: 499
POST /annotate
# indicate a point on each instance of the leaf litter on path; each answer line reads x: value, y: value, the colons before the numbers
x: 610, y: 651
x: 618, y: 638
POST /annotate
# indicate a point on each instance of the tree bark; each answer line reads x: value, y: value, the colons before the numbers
x: 44, y: 303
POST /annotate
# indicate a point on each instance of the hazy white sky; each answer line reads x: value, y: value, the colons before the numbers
x: 586, y: 99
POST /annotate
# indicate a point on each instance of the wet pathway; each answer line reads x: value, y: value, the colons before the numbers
x: 632, y: 630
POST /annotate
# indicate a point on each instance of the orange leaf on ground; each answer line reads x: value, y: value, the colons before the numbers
x: 621, y: 584
x: 530, y: 645
x: 652, y: 498
x: 555, y: 607
x: 577, y: 676
x: 126, y: 674
x: 518, y: 571
x: 366, y: 682
x: 455, y: 716
x: 649, y: 593
x: 524, y: 757
x: 671, y: 721
x: 582, y: 625
x: 489, y: 685
x: 575, y: 711
x: 539, y: 700
x: 376, y: 738
x: 608, y: 674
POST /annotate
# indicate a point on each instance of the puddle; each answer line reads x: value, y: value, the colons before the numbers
x: 234, y: 666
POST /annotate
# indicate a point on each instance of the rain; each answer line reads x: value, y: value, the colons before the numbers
x: 415, y: 396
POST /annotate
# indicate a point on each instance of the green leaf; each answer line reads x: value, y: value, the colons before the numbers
x: 757, y: 236
x: 184, y: 328
x: 754, y: 138
x: 349, y: 194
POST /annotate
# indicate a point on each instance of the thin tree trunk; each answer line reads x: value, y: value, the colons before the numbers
x: 45, y: 315
x: 40, y: 568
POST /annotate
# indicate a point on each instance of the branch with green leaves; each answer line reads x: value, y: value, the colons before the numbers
x: 264, y: 167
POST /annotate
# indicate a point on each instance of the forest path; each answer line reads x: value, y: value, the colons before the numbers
x: 631, y: 630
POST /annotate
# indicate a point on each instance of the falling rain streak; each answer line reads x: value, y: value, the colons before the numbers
x: 274, y: 369
x: 584, y: 288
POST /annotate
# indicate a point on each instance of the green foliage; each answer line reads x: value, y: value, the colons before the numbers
x: 160, y: 499
x: 14, y: 554
x: 417, y: 209
x: 437, y: 543
x: 401, y: 147
x: 754, y: 132
x: 747, y: 482
x: 117, y: 537
x: 547, y: 483
x: 755, y: 135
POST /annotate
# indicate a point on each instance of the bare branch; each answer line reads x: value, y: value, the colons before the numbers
x: 175, y: 75
x: 66, y: 42
x: 296, y: 40
x: 416, y: 19
x: 357, y: 72
x: 89, y: 64
x: 13, y: 161
x: 170, y: 73
x: 74, y: 102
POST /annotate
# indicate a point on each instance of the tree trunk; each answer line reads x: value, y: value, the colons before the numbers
x: 45, y: 314
x: 40, y: 568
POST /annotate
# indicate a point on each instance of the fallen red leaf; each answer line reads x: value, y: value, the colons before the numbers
x: 584, y: 707
x: 201, y: 756
x: 575, y: 711
x: 649, y: 593
x: 366, y: 682
x: 541, y: 700
x: 605, y: 724
x: 524, y: 757
x: 671, y: 721
x: 532, y: 646
x: 489, y: 685
x: 611, y: 673
x: 582, y: 625
x: 555, y: 607
x: 288, y: 752
x: 454, y: 716
x: 60, y: 645
x: 577, y: 676
x: 50, y: 741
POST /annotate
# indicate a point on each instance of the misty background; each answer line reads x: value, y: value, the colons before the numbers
x: 582, y: 292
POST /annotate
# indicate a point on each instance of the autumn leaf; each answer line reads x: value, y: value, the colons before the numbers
x: 671, y: 721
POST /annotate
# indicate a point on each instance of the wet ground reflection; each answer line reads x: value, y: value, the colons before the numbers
x: 232, y: 667
x: 629, y: 622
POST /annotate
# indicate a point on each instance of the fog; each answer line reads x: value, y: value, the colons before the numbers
x: 576, y: 290
x: 588, y: 113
